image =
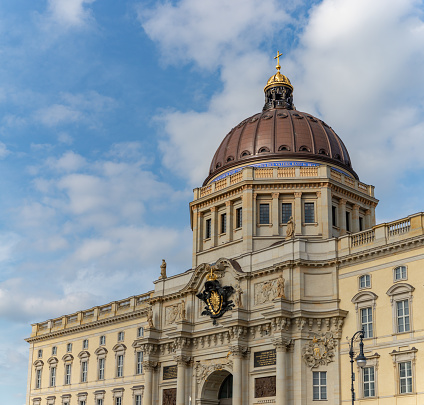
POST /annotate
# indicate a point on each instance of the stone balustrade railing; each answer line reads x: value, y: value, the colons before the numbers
x: 92, y: 314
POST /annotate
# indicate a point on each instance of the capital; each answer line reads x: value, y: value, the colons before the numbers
x: 281, y: 343
x: 182, y: 360
x: 238, y: 351
x: 149, y: 365
x: 213, y: 209
x: 275, y: 195
x: 297, y: 195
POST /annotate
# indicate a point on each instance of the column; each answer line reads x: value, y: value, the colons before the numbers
x: 355, y: 218
x: 326, y: 205
x: 298, y: 213
x: 214, y: 226
x: 368, y: 219
x: 229, y: 212
x: 248, y: 221
x: 148, y: 367
x: 181, y: 364
x: 238, y: 353
x: 275, y: 214
x: 280, y: 378
x: 342, y: 216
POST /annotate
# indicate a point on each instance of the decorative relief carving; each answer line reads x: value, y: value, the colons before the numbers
x: 265, y: 387
x: 238, y: 302
x: 269, y: 290
x: 169, y: 396
x: 174, y: 313
x: 209, y: 366
x: 320, y: 350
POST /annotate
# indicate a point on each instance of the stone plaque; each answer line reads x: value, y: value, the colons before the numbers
x: 169, y: 396
x: 169, y: 372
x: 264, y: 358
x: 265, y: 387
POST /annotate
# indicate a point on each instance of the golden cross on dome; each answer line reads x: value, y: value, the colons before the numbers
x: 278, y: 67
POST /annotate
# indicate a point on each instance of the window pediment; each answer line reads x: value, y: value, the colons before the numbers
x: 68, y: 357
x: 84, y: 354
x: 52, y: 360
x: 39, y: 363
x: 119, y: 347
x: 364, y: 296
x: 100, y: 351
x: 400, y: 288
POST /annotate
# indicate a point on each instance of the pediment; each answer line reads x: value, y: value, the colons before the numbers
x: 100, y: 351
x: 68, y: 357
x: 53, y: 360
x: 399, y: 289
x: 364, y: 296
x: 38, y: 363
x: 119, y: 347
x: 84, y: 354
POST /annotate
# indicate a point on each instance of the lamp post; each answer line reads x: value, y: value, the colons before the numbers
x: 361, y: 360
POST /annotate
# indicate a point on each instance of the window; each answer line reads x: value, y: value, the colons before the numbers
x: 138, y: 400
x: 402, y: 309
x: 139, y: 368
x: 82, y: 402
x: 99, y: 401
x: 264, y: 213
x: 309, y: 213
x: 239, y: 217
x: 286, y: 212
x: 52, y: 376
x: 365, y: 281
x: 223, y: 223
x: 319, y: 385
x: 38, y: 378
x: 405, y: 377
x: 54, y: 351
x: 120, y: 365
x: 102, y: 340
x: 399, y: 273
x: 140, y: 331
x: 361, y: 224
x: 118, y: 401
x: 369, y: 382
x: 69, y: 347
x: 120, y: 336
x: 348, y: 221
x: 101, y: 369
x: 68, y: 369
x: 334, y: 215
x: 40, y: 354
x: 208, y: 229
x: 84, y: 365
x: 366, y: 322
x: 85, y: 344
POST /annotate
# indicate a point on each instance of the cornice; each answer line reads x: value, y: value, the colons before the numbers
x: 91, y: 325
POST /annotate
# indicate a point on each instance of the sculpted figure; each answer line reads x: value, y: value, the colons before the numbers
x: 162, y: 270
x: 237, y: 296
x: 150, y: 317
x: 280, y: 287
x: 183, y: 310
x: 290, y: 228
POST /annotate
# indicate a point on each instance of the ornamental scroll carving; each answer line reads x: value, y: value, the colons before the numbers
x: 269, y: 290
x: 320, y: 350
x: 204, y: 369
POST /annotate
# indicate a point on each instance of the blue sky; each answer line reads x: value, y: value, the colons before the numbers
x: 110, y: 112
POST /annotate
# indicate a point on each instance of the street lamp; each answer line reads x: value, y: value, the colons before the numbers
x: 361, y: 360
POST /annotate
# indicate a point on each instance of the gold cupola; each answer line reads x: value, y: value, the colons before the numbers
x: 278, y: 90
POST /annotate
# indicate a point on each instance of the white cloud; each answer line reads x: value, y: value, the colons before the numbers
x: 3, y: 150
x: 70, y: 12
x: 69, y: 161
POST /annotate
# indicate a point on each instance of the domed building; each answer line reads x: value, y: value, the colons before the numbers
x: 287, y: 262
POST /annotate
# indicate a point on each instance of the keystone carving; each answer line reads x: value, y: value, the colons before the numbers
x: 206, y: 368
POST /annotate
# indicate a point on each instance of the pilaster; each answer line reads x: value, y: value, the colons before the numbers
x: 298, y: 213
x: 275, y: 214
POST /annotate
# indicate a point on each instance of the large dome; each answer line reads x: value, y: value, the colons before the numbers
x: 280, y: 132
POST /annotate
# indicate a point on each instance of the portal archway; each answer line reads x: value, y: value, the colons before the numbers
x: 218, y: 384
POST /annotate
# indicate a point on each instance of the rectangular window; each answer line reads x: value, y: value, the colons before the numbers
x: 101, y: 369
x: 365, y: 281
x: 402, y: 308
x: 118, y: 401
x: 68, y: 369
x: 69, y: 347
x: 361, y: 224
x: 40, y: 354
x: 99, y: 401
x: 140, y: 331
x: 208, y: 229
x: 82, y: 402
x: 54, y: 351
x: 319, y: 385
x: 84, y: 365
x: 264, y: 213
x: 120, y: 366
x: 400, y: 273
x: 369, y: 382
x: 102, y: 340
x: 348, y: 221
x: 53, y: 377
x: 85, y: 344
x: 139, y: 368
x: 239, y: 217
x: 286, y: 212
x: 223, y: 223
x: 138, y: 400
x: 366, y: 322
x: 334, y: 215
x: 405, y: 377
x: 38, y: 379
x: 120, y: 336
x: 309, y: 213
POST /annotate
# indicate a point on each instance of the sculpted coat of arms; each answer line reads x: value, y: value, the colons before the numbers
x: 319, y: 351
x: 215, y: 297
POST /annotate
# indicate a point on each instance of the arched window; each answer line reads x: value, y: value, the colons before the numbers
x: 304, y: 149
x: 284, y: 147
x: 263, y: 149
x: 245, y: 153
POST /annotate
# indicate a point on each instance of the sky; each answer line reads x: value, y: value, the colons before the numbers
x: 110, y: 112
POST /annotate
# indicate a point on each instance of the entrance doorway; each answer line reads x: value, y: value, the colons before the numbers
x: 225, y: 395
x: 217, y: 389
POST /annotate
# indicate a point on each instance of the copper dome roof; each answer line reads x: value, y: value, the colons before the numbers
x: 280, y: 133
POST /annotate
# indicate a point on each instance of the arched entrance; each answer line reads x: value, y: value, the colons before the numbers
x: 217, y: 389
